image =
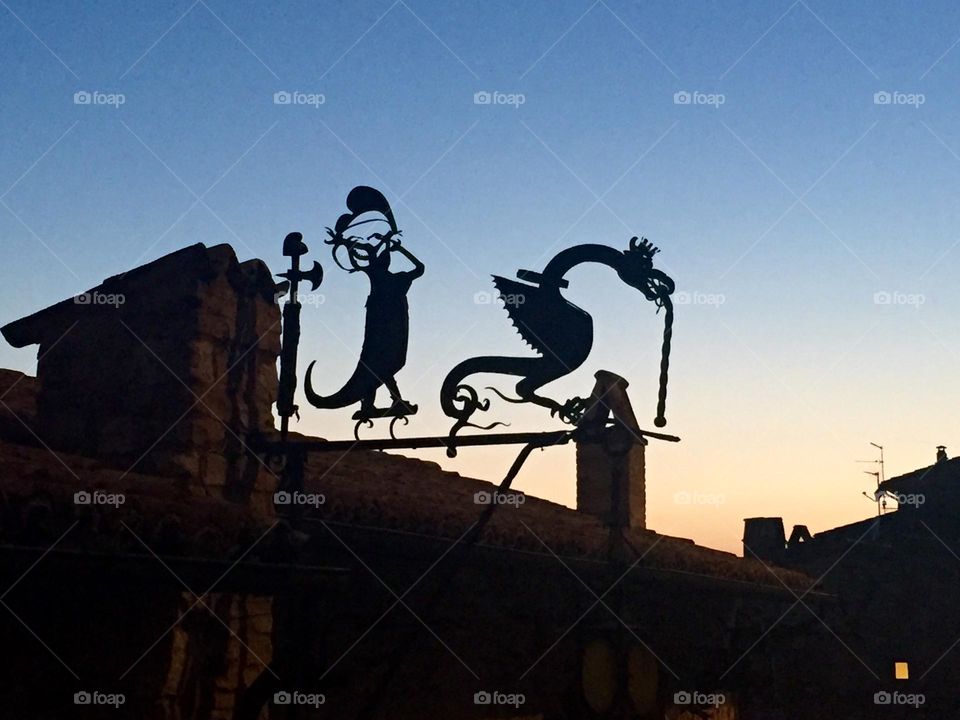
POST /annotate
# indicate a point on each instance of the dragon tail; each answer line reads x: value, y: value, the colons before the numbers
x: 460, y: 400
x: 350, y: 393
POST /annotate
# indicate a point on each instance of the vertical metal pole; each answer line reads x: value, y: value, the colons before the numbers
x: 288, y: 352
x: 880, y: 476
x: 293, y: 248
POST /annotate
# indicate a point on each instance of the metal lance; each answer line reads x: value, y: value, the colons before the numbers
x: 294, y: 248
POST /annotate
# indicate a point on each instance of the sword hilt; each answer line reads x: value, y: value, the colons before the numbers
x: 293, y: 245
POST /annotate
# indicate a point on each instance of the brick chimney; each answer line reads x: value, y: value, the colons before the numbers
x: 164, y: 369
x: 764, y: 539
x: 611, y: 474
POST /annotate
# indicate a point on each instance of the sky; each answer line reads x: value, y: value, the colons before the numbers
x: 797, y: 164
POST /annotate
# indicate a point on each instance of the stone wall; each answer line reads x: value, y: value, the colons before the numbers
x: 495, y: 620
x: 165, y: 369
x: 147, y: 386
x: 214, y: 660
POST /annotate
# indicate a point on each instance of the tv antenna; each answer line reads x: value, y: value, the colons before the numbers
x: 880, y: 477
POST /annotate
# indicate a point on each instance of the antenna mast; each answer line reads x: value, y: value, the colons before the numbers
x: 879, y: 475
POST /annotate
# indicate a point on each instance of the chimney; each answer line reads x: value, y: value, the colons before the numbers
x: 941, y: 453
x: 164, y: 369
x: 764, y: 539
x: 611, y: 481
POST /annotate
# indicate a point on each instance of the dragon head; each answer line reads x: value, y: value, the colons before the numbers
x: 636, y: 270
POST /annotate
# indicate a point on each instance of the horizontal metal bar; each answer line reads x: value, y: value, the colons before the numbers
x: 540, y: 438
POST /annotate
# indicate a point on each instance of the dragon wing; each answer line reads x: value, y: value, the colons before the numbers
x: 537, y: 313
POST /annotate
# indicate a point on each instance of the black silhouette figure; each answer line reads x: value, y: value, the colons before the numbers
x: 560, y: 331
x: 387, y: 326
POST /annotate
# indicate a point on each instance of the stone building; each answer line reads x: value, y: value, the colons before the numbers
x: 144, y: 559
x: 896, y: 577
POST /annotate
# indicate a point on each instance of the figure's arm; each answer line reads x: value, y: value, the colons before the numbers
x: 418, y: 266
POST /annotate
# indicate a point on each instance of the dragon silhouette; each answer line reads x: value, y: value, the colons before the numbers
x: 386, y: 326
x: 559, y: 331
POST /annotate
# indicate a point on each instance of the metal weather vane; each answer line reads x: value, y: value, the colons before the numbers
x: 559, y: 331
x: 387, y: 324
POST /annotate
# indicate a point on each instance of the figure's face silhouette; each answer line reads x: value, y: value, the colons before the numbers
x: 368, y: 250
x: 382, y: 259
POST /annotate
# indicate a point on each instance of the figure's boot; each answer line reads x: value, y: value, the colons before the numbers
x: 402, y: 408
x: 399, y: 406
x: 367, y: 409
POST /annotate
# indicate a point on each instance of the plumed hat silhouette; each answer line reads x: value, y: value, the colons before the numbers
x: 363, y: 199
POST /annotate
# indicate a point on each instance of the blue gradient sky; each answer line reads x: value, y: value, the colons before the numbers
x: 794, y: 203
